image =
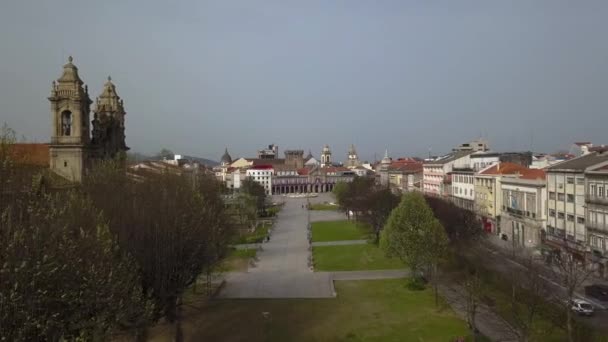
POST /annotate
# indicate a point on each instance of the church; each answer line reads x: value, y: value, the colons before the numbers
x: 76, y: 140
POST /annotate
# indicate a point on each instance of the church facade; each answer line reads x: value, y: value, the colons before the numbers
x: 76, y: 140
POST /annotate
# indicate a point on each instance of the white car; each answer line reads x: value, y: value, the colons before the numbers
x: 581, y: 307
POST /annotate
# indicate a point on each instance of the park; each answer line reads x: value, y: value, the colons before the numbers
x: 326, y: 283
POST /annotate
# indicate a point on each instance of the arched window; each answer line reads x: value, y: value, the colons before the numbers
x: 66, y: 123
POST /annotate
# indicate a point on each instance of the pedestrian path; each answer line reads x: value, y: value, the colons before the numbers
x: 339, y: 243
x: 369, y: 275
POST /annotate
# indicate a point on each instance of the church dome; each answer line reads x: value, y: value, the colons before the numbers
x: 226, y: 158
x: 70, y: 73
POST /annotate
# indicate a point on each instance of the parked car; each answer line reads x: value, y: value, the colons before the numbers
x: 597, y: 291
x: 581, y: 307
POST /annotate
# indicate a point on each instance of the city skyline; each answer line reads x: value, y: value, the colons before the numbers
x: 407, y: 77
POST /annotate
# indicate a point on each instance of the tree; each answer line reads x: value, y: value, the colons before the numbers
x: 165, y: 154
x: 529, y: 294
x: 174, y: 228
x: 571, y: 273
x: 407, y: 231
x: 461, y: 226
x: 255, y: 189
x: 63, y: 275
x: 379, y: 203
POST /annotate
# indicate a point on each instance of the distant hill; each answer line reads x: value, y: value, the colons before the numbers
x: 135, y: 157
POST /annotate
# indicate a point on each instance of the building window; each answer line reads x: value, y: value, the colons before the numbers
x: 593, y: 189
x: 600, y: 191
x: 570, y: 218
x: 570, y: 180
x: 65, y: 163
x: 551, y: 195
x: 580, y: 220
x: 66, y: 123
x: 570, y: 198
x: 580, y: 181
x: 560, y: 215
x: 560, y: 197
x: 551, y: 212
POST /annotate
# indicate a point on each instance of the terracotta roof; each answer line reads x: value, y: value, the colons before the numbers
x: 303, y: 171
x: 533, y: 174
x: 30, y: 154
x: 406, y: 168
x: 503, y: 168
x: 261, y: 167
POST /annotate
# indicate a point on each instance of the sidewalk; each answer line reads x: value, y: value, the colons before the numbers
x: 340, y: 243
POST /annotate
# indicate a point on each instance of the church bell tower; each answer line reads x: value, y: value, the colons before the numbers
x: 70, y: 136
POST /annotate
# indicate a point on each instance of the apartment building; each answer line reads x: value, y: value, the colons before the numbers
x: 435, y: 172
x: 566, y: 206
x: 463, y: 188
x: 487, y: 190
x: 596, y: 219
x: 523, y: 215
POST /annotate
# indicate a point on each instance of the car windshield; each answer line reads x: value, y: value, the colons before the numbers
x: 586, y: 306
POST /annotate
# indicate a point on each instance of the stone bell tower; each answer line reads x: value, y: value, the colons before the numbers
x: 70, y: 136
x: 108, y: 124
x: 326, y: 156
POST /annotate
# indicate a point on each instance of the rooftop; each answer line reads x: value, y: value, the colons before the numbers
x: 582, y: 162
x: 448, y: 158
x: 30, y: 154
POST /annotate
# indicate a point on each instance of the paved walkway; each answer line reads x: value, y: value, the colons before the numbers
x: 340, y: 243
x: 282, y: 269
x: 365, y: 275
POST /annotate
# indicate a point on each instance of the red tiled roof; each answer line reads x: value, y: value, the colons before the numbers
x: 533, y: 174
x: 30, y: 154
x: 303, y: 171
x: 261, y: 167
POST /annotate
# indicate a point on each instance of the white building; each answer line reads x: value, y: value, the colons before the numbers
x: 263, y: 175
x: 463, y: 188
x: 482, y: 159
x: 434, y: 172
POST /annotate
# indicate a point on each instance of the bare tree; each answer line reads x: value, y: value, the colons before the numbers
x: 530, y: 292
x: 571, y: 273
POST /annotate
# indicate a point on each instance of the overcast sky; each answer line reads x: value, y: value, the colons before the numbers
x: 197, y: 76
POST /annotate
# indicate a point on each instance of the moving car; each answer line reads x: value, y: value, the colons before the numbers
x: 581, y: 307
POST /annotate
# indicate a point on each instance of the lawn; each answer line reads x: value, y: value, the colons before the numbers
x: 352, y: 258
x: 339, y: 230
x: 256, y: 236
x: 238, y: 259
x: 365, y: 310
x: 323, y: 206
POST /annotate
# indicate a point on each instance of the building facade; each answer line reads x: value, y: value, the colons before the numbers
x: 435, y: 172
x: 463, y: 188
x: 566, y: 228
x: 523, y: 215
x: 74, y: 147
x: 262, y: 174
x: 596, y: 218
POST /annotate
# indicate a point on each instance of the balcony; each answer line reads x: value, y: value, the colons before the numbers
x: 596, y: 200
x: 597, y: 227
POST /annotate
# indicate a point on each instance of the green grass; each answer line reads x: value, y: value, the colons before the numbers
x: 256, y: 236
x: 323, y: 206
x: 352, y: 258
x: 339, y: 230
x: 366, y: 310
x: 238, y: 259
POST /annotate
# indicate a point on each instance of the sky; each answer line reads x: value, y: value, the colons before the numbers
x: 408, y: 76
